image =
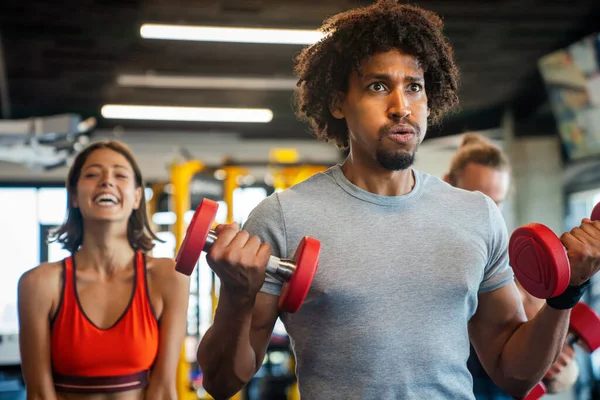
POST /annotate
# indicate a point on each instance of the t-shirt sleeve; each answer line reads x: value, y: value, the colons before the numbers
x: 497, y: 271
x: 266, y: 221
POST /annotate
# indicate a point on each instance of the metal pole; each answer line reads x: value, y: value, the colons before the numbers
x: 4, y: 98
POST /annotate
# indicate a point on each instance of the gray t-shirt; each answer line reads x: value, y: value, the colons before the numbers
x: 386, y: 316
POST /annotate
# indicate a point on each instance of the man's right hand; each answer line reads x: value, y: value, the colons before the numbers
x: 239, y: 260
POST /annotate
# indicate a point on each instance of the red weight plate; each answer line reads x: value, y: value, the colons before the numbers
x: 195, y: 236
x: 537, y: 392
x: 539, y: 261
x: 306, y: 259
x: 585, y: 323
x: 596, y: 213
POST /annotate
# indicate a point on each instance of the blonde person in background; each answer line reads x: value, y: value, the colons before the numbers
x: 479, y: 165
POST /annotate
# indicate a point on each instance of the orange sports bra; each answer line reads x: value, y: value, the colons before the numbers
x: 87, y: 359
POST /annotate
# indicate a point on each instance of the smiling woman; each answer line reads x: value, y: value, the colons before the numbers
x: 108, y: 320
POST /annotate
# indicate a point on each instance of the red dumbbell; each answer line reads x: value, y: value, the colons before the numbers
x: 537, y: 392
x: 539, y: 259
x: 584, y: 327
x: 297, y: 274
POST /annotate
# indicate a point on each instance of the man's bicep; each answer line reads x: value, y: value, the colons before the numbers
x: 499, y: 314
x: 264, y: 316
x: 531, y: 304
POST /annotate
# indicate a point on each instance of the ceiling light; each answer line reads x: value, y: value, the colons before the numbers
x: 226, y: 34
x: 204, y: 114
x: 206, y: 82
x: 164, y: 218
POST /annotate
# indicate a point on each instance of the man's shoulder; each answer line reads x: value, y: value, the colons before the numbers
x: 312, y: 183
x: 316, y: 186
x: 279, y: 206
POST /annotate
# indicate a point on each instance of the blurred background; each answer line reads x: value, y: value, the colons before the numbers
x: 76, y: 72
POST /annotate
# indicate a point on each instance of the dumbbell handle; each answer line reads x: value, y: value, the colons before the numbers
x: 282, y: 268
x: 572, y: 338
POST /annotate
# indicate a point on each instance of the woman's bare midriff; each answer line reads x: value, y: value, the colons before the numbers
x: 137, y: 394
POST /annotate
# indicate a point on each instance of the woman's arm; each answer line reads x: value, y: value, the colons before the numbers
x: 36, y: 293
x: 174, y: 289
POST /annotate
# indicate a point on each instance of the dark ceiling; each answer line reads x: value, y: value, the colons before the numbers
x: 65, y: 57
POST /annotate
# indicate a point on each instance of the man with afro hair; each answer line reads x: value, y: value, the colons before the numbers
x: 410, y: 267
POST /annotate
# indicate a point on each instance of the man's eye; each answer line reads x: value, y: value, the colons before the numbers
x: 377, y: 86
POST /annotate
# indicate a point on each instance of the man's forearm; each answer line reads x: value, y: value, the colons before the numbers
x: 535, y: 345
x: 225, y: 354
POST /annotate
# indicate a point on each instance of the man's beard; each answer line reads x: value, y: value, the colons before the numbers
x: 399, y: 160
x: 395, y: 161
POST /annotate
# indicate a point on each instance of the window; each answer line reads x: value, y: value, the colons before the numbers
x: 19, y: 246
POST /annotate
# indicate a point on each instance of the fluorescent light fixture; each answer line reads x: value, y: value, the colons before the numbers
x: 204, y: 114
x: 206, y: 82
x: 226, y: 34
x: 164, y: 218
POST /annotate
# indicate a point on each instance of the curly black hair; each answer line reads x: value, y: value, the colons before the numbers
x: 323, y: 68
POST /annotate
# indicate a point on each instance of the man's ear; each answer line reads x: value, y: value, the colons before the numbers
x: 428, y: 111
x: 335, y: 105
x: 446, y: 178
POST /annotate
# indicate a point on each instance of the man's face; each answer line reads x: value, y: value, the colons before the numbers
x: 386, y: 110
x: 489, y: 181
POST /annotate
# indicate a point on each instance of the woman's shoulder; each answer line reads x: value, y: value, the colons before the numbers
x: 43, y: 272
x: 160, y: 265
x: 43, y: 281
x: 164, y: 280
x: 162, y: 269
